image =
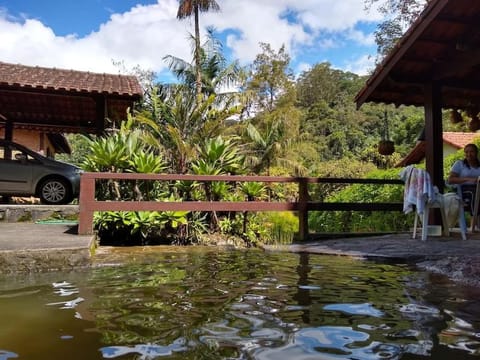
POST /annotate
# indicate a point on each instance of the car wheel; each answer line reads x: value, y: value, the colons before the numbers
x: 55, y: 191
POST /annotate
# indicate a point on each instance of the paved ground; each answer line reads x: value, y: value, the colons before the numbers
x: 459, y: 259
x: 30, y: 247
x: 399, y: 247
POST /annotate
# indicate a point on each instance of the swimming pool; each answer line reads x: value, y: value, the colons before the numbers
x: 206, y: 303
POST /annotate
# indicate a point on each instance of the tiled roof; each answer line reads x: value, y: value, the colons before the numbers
x: 459, y: 139
x: 441, y: 45
x: 455, y: 139
x: 68, y: 80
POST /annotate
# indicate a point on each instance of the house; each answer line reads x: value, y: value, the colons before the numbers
x: 452, y: 142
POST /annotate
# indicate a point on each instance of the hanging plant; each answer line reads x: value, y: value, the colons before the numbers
x: 474, y: 123
x: 386, y: 146
x: 455, y: 116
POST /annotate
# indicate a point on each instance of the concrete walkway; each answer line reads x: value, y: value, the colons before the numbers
x: 458, y: 259
x: 399, y: 247
x: 30, y: 247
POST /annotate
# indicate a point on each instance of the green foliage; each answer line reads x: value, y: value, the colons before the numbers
x: 147, y: 163
x: 343, y: 168
x: 216, y: 73
x: 308, y: 127
x: 359, y: 221
x: 270, y: 77
x: 222, y: 155
x: 264, y: 147
x: 135, y: 227
x: 399, y: 14
x: 283, y: 226
x: 80, y: 145
x: 336, y: 129
x: 253, y: 190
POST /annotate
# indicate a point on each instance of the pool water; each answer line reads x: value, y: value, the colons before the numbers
x: 197, y: 303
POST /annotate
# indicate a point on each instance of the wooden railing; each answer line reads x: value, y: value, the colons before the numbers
x: 88, y: 204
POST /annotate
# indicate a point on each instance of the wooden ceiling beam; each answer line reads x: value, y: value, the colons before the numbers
x: 461, y: 64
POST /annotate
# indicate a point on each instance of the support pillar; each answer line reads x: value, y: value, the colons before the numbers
x: 434, y: 139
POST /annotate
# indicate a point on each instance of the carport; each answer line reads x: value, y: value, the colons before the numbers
x: 63, y: 101
x: 435, y: 65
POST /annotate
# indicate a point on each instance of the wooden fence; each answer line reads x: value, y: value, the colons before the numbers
x: 88, y: 204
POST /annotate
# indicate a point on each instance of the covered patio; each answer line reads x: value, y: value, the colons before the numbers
x: 435, y: 65
x: 54, y: 100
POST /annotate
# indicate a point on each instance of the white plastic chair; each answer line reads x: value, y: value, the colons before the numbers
x: 474, y: 223
x: 436, y: 202
x: 457, y: 210
x: 421, y: 195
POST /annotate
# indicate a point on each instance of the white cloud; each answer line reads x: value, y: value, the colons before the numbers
x: 360, y: 37
x: 146, y: 33
x: 362, y: 65
x: 301, y: 67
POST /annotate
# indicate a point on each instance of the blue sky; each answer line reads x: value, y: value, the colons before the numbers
x: 93, y: 34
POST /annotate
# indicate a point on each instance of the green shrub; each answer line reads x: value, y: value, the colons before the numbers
x: 364, y: 221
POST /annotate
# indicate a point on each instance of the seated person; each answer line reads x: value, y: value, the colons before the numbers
x: 465, y: 173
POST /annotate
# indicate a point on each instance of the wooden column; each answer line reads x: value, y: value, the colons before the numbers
x: 434, y: 134
x: 8, y: 135
x: 101, y: 114
x: 434, y: 140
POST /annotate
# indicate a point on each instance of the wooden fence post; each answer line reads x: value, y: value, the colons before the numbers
x: 302, y: 209
x: 87, y: 196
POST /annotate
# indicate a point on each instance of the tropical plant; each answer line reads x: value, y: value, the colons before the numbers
x: 186, y: 9
x: 364, y: 221
x: 223, y: 154
x: 217, y: 74
x: 253, y: 190
x: 177, y: 123
x: 263, y: 146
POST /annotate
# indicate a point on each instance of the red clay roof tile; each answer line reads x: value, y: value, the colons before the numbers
x: 68, y: 80
x: 459, y: 139
x: 455, y: 139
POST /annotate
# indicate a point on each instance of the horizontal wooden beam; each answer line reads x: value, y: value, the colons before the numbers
x: 235, y: 178
x: 235, y: 206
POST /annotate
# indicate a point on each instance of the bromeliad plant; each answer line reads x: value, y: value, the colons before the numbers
x: 134, y: 227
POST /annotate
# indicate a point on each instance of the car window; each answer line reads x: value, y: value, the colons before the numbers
x: 12, y: 154
x: 2, y: 152
x: 16, y: 152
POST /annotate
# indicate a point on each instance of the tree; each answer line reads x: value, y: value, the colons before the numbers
x: 176, y: 123
x: 216, y: 73
x: 186, y: 9
x: 270, y: 78
x: 399, y: 14
x: 264, y: 146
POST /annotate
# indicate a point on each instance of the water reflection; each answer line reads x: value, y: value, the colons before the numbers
x: 207, y: 304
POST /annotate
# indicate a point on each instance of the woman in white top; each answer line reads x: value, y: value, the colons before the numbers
x: 466, y: 172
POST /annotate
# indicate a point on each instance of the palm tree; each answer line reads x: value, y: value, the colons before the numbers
x: 264, y: 145
x: 186, y: 9
x: 216, y: 73
x: 177, y: 123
